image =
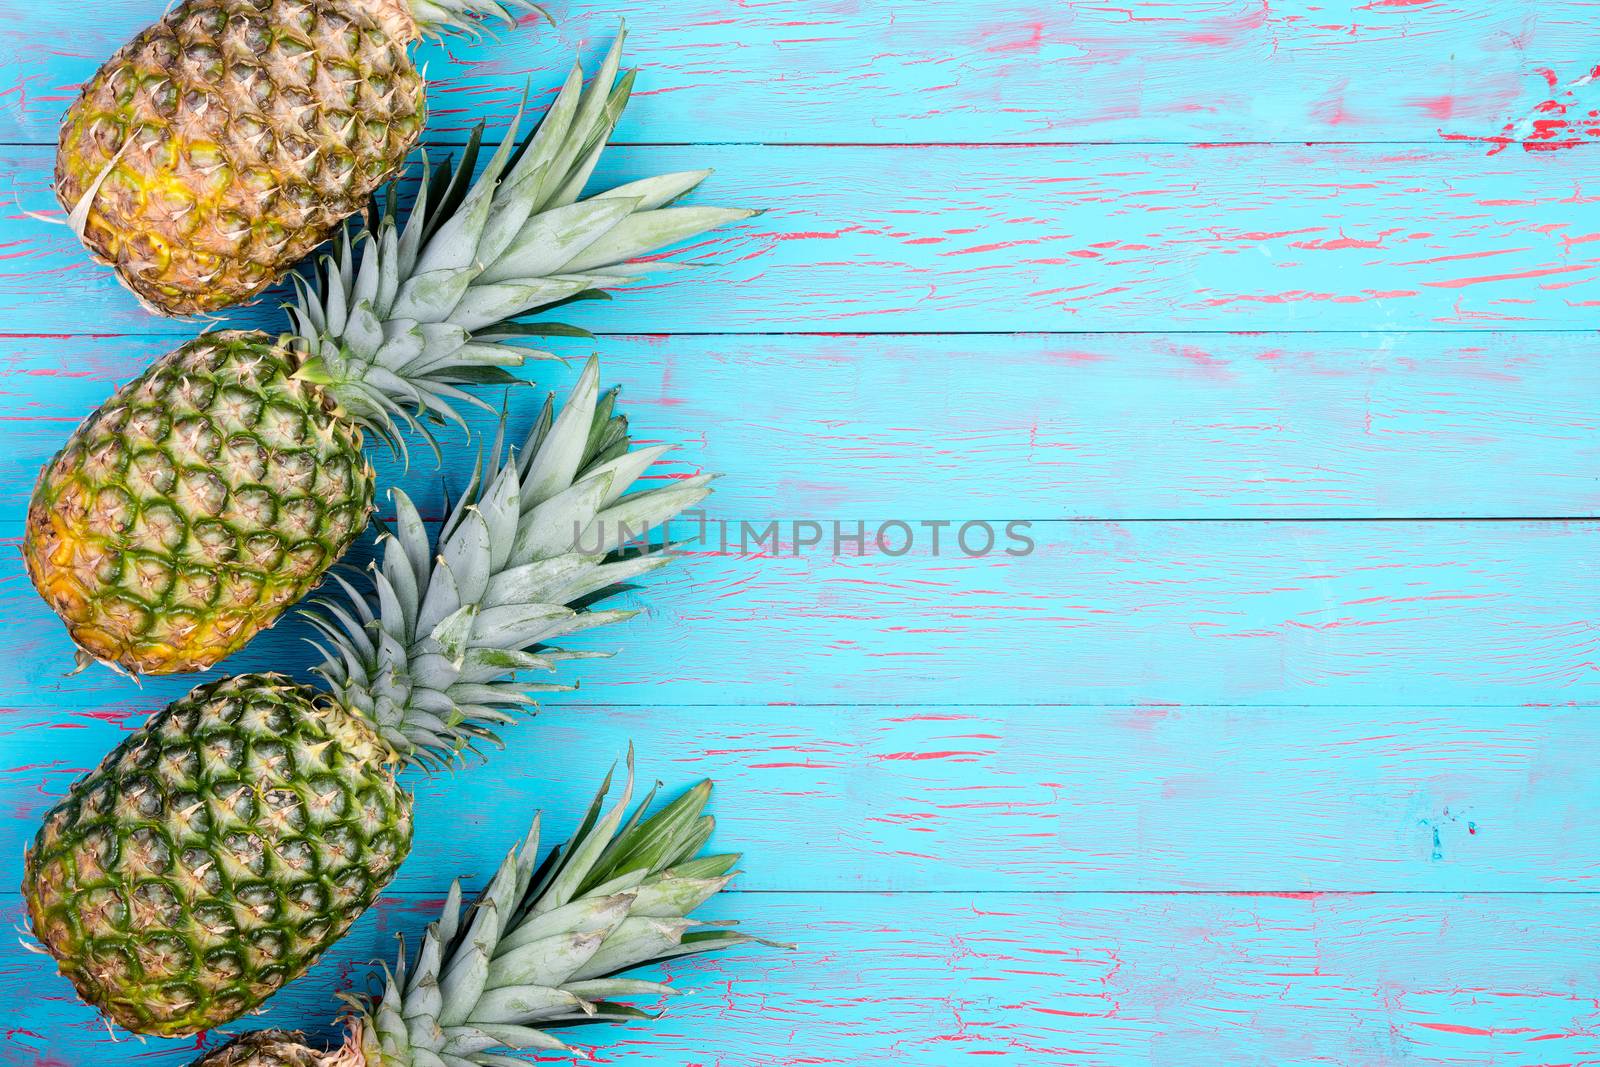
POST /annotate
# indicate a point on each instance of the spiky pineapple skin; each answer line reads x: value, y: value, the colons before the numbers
x: 216, y: 853
x: 202, y: 499
x: 238, y: 133
x: 264, y: 1048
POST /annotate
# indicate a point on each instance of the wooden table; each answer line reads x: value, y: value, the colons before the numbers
x: 1274, y: 320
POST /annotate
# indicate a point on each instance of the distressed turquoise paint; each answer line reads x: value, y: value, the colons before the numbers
x: 1043, y: 979
x: 937, y: 70
x: 1163, y: 426
x: 1382, y: 613
x: 1092, y: 237
x: 1033, y: 798
x: 1026, y: 807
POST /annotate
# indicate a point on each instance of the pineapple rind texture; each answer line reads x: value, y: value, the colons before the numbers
x: 215, y: 853
x: 226, y: 141
x: 266, y: 1048
x: 206, y: 496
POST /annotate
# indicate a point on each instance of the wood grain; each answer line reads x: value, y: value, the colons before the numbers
x: 1388, y: 613
x: 1277, y: 750
x: 1031, y: 798
x: 1189, y: 426
x: 1082, y: 979
x: 939, y: 70
x: 1087, y: 238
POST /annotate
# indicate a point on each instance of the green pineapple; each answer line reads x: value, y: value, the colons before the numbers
x: 210, y: 493
x: 221, y: 848
x: 542, y: 946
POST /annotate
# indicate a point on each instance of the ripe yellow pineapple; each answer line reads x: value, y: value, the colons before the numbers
x: 225, y: 142
x: 195, y: 505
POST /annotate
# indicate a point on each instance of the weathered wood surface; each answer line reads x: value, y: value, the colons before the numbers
x: 1081, y: 979
x: 1022, y: 798
x: 942, y: 70
x: 1217, y: 613
x: 1192, y: 426
x: 1175, y: 788
x: 1077, y: 238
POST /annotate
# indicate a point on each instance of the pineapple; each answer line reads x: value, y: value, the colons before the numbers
x: 214, y: 490
x: 209, y: 494
x: 219, y: 849
x: 539, y: 948
x: 225, y: 142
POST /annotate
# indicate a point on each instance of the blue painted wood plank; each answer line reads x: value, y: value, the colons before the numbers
x: 1283, y: 706
x: 942, y: 70
x: 1032, y: 798
x: 1100, y: 981
x: 1089, y: 238
x: 1148, y: 426
x: 1253, y: 613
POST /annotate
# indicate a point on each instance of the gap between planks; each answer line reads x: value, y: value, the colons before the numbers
x: 450, y: 143
x: 1290, y: 894
x: 178, y: 334
x: 657, y: 705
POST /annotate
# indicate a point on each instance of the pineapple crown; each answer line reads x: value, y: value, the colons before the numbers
x: 542, y: 946
x: 544, y: 942
x: 435, y: 18
x: 430, y: 304
x: 431, y: 657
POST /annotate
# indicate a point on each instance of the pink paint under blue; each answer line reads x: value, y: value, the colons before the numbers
x: 1275, y: 319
